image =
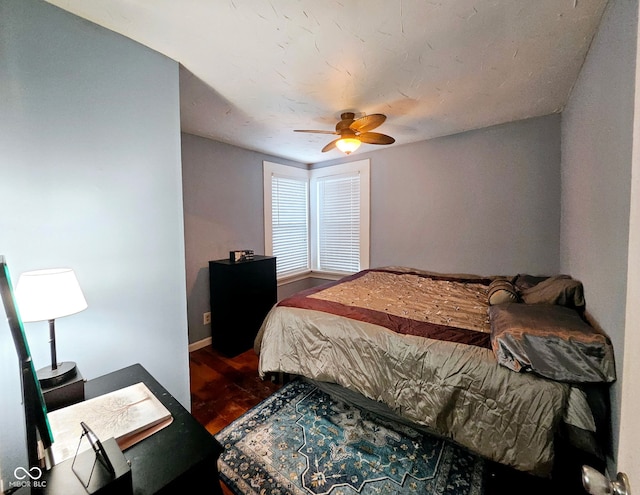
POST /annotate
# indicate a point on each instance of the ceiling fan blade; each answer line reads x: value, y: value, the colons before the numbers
x: 330, y: 146
x: 314, y: 131
x: 368, y: 122
x: 376, y: 138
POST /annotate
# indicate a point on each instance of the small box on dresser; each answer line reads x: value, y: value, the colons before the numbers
x: 241, y: 295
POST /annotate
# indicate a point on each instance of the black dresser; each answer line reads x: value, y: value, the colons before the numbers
x: 242, y: 294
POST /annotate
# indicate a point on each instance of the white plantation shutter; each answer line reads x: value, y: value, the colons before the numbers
x: 289, y: 224
x: 339, y: 223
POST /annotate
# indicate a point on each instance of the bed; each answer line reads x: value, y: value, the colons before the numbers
x: 457, y: 354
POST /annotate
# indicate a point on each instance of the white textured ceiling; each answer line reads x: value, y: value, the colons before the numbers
x: 253, y: 70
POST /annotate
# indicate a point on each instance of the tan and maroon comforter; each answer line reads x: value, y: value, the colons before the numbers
x: 419, y: 343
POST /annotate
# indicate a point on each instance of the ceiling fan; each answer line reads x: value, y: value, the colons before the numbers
x: 353, y: 132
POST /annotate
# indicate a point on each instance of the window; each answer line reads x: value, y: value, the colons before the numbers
x: 286, y: 208
x: 317, y: 220
x: 340, y: 215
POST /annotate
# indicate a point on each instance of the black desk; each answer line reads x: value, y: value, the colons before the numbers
x: 182, y: 455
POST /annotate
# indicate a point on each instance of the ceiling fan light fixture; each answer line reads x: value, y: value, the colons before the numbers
x: 348, y: 145
x: 354, y: 132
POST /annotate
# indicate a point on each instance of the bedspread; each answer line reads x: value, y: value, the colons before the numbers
x: 434, y: 306
x: 417, y: 342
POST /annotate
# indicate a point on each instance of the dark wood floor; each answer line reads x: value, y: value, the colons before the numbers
x: 223, y: 388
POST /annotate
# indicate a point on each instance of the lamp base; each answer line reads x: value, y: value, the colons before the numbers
x: 49, y: 377
x: 65, y: 394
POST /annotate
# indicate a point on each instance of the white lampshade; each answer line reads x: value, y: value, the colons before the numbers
x: 348, y: 144
x: 49, y: 294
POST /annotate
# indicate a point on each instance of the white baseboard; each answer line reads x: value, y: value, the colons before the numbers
x: 200, y: 344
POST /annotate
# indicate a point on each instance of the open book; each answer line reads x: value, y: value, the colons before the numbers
x: 128, y: 415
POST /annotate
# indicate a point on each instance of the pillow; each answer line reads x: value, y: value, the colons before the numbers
x: 502, y: 291
x: 560, y: 289
x: 524, y: 281
x: 552, y: 341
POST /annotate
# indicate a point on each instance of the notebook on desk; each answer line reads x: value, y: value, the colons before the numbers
x: 128, y: 415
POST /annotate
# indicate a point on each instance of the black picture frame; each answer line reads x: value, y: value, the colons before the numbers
x: 35, y: 410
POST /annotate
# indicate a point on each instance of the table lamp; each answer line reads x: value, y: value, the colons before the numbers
x: 47, y: 295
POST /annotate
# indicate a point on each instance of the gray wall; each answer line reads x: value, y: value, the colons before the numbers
x: 90, y: 178
x: 485, y: 201
x: 223, y: 211
x: 597, y: 140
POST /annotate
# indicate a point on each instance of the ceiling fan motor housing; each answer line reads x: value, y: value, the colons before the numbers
x: 345, y: 123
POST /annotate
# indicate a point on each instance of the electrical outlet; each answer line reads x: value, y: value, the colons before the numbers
x: 206, y: 318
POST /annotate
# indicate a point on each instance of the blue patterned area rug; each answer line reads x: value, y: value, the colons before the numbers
x: 302, y: 441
